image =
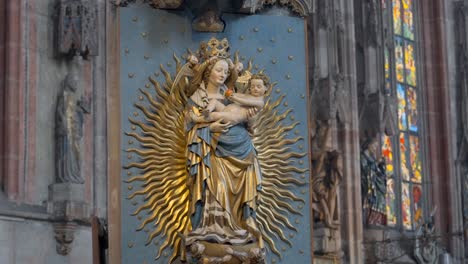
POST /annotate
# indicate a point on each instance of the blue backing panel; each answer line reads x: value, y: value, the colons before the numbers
x: 276, y: 43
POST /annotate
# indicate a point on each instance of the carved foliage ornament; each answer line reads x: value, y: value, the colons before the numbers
x: 163, y: 4
x: 300, y: 7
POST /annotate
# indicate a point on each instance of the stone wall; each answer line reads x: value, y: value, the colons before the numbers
x: 34, y: 73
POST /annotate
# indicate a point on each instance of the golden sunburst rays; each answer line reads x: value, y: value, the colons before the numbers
x: 277, y: 161
x: 163, y: 195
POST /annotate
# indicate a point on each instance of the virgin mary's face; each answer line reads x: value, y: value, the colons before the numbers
x: 219, y: 73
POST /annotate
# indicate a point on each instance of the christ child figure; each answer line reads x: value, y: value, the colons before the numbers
x: 238, y: 111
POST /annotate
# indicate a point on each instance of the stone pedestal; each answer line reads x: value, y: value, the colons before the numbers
x: 327, y: 245
x: 326, y: 240
x: 67, y: 205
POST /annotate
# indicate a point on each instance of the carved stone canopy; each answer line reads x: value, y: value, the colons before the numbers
x: 299, y: 7
x: 77, y: 27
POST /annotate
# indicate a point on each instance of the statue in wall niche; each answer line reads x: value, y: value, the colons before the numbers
x: 327, y: 175
x: 69, y: 117
x: 373, y: 183
x: 223, y: 166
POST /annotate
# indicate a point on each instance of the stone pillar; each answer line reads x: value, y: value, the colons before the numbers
x: 334, y: 104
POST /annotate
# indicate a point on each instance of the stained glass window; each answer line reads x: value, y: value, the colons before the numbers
x: 402, y: 152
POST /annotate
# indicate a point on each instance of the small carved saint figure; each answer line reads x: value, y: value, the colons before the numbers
x: 69, y: 132
x: 373, y: 184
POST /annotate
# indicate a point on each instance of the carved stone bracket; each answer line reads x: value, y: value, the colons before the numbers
x: 68, y: 208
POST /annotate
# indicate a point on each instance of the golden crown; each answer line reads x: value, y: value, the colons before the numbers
x: 214, y: 48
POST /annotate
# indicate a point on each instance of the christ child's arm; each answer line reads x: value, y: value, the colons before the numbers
x: 247, y: 100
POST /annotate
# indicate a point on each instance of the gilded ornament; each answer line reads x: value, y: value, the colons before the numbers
x: 135, y: 113
x: 286, y: 104
x: 292, y: 118
x: 290, y: 30
x: 303, y: 191
x: 163, y: 178
x: 133, y: 127
x: 130, y: 142
x: 303, y: 176
x: 297, y: 221
x: 130, y: 187
x: 129, y: 173
x: 301, y: 147
x: 302, y: 96
x: 147, y: 85
x: 140, y: 98
x: 278, y: 90
x: 169, y: 64
x: 297, y: 132
x: 259, y: 49
x: 283, y: 249
x: 301, y: 162
x: 129, y: 156
x: 300, y: 206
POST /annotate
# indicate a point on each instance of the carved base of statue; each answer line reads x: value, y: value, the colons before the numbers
x: 213, y: 253
x: 67, y: 206
x: 327, y: 241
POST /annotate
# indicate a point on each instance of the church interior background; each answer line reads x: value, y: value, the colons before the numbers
x: 362, y: 141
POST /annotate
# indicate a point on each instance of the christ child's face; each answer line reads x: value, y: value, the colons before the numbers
x: 257, y: 87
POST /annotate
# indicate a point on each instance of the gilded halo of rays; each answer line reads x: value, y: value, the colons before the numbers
x: 163, y: 192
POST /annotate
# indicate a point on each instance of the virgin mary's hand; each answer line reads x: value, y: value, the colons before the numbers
x: 219, y: 126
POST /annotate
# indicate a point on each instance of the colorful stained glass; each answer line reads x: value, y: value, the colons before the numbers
x: 405, y: 172
x: 410, y: 65
x: 399, y: 67
x: 390, y: 200
x: 406, y: 206
x: 415, y: 159
x: 417, y: 204
x: 387, y: 153
x: 402, y: 122
x: 412, y: 109
x: 388, y: 83
x: 397, y: 17
x: 408, y: 26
